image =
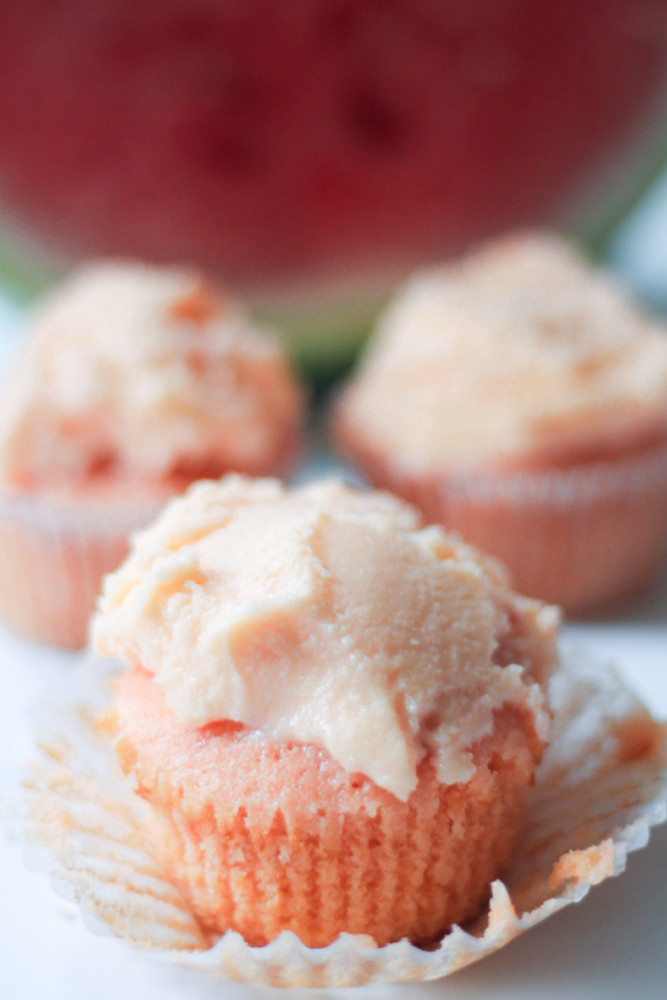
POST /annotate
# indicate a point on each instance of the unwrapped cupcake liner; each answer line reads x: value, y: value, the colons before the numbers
x: 54, y: 555
x: 600, y: 788
x: 581, y: 537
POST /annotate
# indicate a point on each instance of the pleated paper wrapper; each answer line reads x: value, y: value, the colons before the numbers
x: 600, y: 788
x: 55, y: 552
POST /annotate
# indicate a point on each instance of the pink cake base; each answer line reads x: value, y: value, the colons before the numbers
x: 262, y: 837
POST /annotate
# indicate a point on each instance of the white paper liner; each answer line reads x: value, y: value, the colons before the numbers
x: 55, y: 552
x: 601, y: 787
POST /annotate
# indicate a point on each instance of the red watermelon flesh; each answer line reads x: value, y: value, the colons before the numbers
x: 310, y: 140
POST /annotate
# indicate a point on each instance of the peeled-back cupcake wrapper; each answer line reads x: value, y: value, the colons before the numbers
x: 601, y: 786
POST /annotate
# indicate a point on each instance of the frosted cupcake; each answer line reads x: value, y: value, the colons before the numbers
x: 520, y: 398
x: 137, y: 381
x: 333, y: 712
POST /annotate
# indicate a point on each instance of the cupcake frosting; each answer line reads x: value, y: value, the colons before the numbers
x: 144, y: 373
x: 522, y: 354
x: 331, y: 617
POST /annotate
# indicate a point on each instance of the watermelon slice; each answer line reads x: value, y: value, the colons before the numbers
x: 314, y: 147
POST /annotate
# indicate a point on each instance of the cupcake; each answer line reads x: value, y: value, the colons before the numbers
x: 333, y: 712
x: 136, y: 382
x: 520, y: 398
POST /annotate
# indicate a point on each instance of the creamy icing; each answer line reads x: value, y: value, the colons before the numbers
x: 327, y: 616
x: 520, y: 354
x: 142, y: 373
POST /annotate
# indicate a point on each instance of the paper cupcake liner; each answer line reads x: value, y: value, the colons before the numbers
x: 54, y: 555
x: 601, y: 786
x: 581, y: 537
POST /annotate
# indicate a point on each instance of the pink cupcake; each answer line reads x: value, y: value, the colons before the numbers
x: 520, y: 398
x: 333, y: 712
x: 137, y: 381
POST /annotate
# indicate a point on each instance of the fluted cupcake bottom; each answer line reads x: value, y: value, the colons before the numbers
x: 54, y: 555
x: 262, y: 836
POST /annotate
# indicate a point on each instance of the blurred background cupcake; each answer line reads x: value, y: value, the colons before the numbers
x: 520, y: 398
x: 136, y: 381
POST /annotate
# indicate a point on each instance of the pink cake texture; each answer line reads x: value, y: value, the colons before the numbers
x: 263, y: 836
